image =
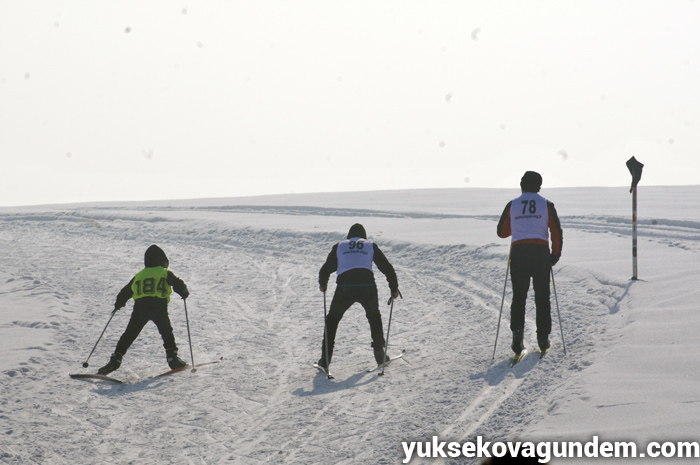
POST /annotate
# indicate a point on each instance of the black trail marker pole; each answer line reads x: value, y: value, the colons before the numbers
x: 635, y: 168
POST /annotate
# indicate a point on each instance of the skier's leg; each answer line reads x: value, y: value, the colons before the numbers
x: 342, y: 301
x: 162, y: 320
x: 133, y: 328
x: 370, y: 301
x: 136, y: 323
x: 520, y: 280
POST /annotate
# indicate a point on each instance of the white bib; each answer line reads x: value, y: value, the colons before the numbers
x: 355, y: 253
x: 529, y: 217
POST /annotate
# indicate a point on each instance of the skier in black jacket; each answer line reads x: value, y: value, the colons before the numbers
x: 151, y: 289
x: 352, y: 261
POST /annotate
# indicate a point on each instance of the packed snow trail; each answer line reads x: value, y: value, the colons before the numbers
x: 255, y: 301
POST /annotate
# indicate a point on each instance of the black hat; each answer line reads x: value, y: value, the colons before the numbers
x: 357, y: 230
x: 531, y: 181
x: 155, y: 256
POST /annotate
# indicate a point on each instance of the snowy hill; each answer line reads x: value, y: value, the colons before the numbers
x: 251, y: 265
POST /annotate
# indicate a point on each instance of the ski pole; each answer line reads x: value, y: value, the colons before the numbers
x: 498, y: 328
x: 325, y: 337
x: 388, y: 328
x: 85, y: 363
x: 187, y: 319
x: 556, y: 299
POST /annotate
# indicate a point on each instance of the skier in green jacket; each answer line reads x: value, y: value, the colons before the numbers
x: 150, y: 289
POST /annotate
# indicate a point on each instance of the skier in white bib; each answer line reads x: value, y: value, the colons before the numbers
x: 352, y: 261
x: 530, y: 219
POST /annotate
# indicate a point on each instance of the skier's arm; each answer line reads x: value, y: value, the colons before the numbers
x: 178, y: 285
x: 329, y: 267
x: 124, y: 295
x: 385, y: 267
x: 555, y: 230
x: 503, y: 229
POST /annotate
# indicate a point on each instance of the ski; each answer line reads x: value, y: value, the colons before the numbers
x: 324, y: 371
x: 170, y: 372
x: 197, y: 365
x: 517, y: 357
x: 382, y: 365
x: 98, y: 377
x: 95, y: 376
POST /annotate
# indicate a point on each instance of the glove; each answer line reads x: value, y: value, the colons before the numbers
x: 394, y: 295
x: 185, y: 293
x: 323, y: 288
x: 553, y: 259
x: 116, y: 308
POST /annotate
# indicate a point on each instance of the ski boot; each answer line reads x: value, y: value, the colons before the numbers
x: 379, y: 354
x: 544, y: 344
x: 517, y: 344
x: 322, y: 361
x: 174, y: 361
x: 115, y: 361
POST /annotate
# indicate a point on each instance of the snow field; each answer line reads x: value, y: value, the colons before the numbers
x: 252, y: 273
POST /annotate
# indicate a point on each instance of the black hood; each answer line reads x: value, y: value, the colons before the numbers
x: 155, y: 256
x: 531, y: 181
x: 357, y: 230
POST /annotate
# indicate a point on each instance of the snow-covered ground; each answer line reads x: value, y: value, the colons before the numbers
x: 251, y: 265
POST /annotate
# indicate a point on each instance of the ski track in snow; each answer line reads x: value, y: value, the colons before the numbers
x: 255, y: 301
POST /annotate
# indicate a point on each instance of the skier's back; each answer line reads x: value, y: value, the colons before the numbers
x: 352, y: 261
x: 150, y: 288
x: 530, y: 219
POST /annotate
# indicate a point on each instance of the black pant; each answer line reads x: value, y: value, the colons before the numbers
x: 139, y: 317
x: 530, y: 261
x: 343, y: 299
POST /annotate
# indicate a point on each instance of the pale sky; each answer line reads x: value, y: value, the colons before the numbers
x: 141, y: 100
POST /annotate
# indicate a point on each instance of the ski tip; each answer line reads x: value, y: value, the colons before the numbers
x: 517, y: 358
